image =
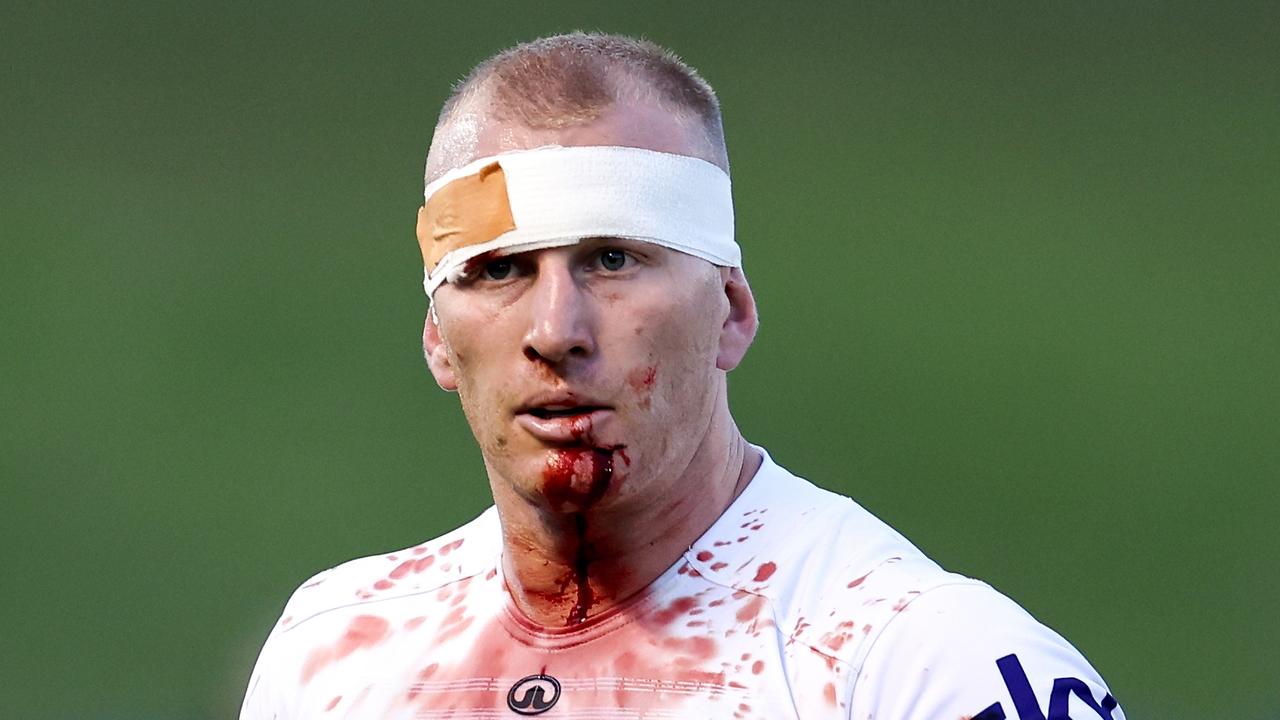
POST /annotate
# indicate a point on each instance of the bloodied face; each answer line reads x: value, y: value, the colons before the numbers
x: 589, y: 373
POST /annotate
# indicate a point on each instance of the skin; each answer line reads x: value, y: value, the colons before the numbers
x: 639, y: 335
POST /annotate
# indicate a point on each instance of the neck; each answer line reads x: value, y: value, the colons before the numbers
x: 563, y: 569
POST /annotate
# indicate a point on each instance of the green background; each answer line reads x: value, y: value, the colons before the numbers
x: 1016, y: 267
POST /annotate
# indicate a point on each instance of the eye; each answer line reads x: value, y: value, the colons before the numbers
x: 613, y: 259
x: 499, y: 269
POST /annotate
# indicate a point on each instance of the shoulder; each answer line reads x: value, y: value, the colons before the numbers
x: 964, y: 649
x: 871, y: 623
x: 832, y: 573
x: 338, y: 602
x: 427, y: 566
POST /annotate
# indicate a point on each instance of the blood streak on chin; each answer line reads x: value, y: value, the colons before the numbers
x: 585, y: 598
x: 576, y: 477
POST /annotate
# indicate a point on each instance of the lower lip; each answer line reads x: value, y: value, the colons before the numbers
x: 565, y: 429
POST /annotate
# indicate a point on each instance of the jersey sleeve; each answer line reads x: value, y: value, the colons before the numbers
x: 265, y: 697
x: 260, y: 701
x: 966, y: 651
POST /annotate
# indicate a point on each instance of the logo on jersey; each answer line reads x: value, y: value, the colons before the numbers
x: 533, y: 695
x: 1028, y: 707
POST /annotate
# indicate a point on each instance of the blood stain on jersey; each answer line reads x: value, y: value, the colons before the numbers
x: 678, y: 607
x: 657, y: 669
x: 905, y: 600
x: 836, y: 639
x: 751, y: 610
x: 765, y: 571
x: 454, y: 624
x: 399, y: 572
x: 365, y: 631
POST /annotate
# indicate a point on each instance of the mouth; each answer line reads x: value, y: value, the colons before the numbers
x: 564, y: 422
x: 556, y: 411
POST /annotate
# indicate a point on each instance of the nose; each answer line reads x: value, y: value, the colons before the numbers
x: 560, y: 324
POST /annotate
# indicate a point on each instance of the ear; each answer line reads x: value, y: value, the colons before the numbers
x: 437, y: 353
x: 741, y: 324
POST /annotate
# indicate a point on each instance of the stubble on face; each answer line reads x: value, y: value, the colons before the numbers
x: 654, y: 344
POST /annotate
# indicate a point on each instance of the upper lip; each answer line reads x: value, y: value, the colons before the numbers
x: 560, y: 404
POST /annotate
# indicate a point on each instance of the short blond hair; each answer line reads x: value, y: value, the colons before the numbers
x: 571, y: 79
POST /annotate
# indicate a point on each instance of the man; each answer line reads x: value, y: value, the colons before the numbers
x: 641, y: 560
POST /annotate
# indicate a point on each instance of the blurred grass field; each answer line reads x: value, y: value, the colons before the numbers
x: 1016, y: 266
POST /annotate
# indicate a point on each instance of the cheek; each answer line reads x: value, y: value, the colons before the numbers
x: 642, y: 381
x: 676, y: 364
x: 469, y: 339
x: 478, y: 394
x: 486, y: 422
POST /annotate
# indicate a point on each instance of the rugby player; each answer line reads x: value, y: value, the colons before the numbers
x: 641, y: 559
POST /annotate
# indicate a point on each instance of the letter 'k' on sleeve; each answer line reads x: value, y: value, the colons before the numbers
x: 966, y: 651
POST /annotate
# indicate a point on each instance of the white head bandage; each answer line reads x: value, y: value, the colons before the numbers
x: 556, y: 196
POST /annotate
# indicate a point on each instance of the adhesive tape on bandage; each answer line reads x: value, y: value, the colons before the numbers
x: 556, y: 196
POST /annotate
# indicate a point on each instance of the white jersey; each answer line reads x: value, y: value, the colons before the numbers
x: 797, y: 603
